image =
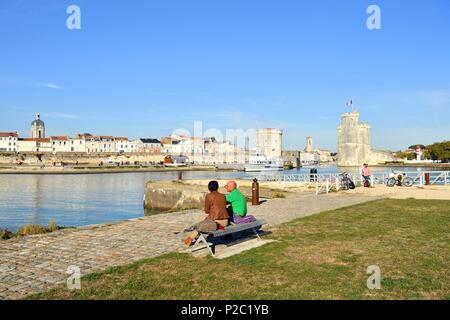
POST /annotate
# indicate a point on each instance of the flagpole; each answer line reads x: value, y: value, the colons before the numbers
x: 351, y: 103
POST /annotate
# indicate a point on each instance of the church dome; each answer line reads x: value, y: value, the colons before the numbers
x: 38, y: 122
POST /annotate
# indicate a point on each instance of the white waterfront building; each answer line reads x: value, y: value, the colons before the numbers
x: 149, y: 145
x: 134, y: 145
x: 8, y: 141
x: 307, y: 158
x: 106, y: 144
x: 34, y: 145
x: 77, y: 145
x: 60, y: 144
x: 122, y: 145
x: 204, y: 150
x: 98, y: 144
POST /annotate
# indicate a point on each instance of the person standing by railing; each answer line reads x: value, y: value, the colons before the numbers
x: 365, y: 172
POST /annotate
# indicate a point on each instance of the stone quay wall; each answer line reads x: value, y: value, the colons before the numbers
x: 36, y: 158
x: 172, y: 196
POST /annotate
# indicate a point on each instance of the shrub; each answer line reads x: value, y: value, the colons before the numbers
x: 52, y: 226
x: 31, y: 229
x: 5, y: 234
x: 279, y: 195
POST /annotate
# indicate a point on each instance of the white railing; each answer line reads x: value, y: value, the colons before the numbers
x: 300, y: 177
x: 328, y: 185
x: 419, y: 177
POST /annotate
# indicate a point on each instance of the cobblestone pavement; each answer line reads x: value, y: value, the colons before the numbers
x: 36, y: 263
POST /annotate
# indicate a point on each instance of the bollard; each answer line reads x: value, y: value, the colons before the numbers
x: 180, y: 175
x: 255, y: 192
x: 427, y: 179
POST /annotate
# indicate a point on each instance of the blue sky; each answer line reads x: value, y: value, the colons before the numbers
x: 146, y: 68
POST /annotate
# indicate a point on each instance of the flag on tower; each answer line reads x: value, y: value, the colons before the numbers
x: 350, y: 103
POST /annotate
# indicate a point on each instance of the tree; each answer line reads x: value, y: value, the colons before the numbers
x: 439, y: 150
x: 413, y: 147
x: 401, y: 155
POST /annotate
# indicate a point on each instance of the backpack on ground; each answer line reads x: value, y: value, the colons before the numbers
x: 351, y: 185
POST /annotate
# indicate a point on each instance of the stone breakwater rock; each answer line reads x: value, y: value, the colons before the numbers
x: 169, y: 196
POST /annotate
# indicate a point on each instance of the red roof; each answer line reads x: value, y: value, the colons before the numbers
x: 36, y: 140
x: 121, y: 139
x: 9, y: 134
x: 63, y: 138
x: 85, y: 135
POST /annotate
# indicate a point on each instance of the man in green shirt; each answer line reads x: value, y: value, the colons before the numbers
x: 237, y: 201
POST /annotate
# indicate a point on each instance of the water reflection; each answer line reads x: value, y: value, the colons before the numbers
x: 75, y: 200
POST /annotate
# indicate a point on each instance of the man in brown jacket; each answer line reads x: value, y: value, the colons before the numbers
x: 216, y: 211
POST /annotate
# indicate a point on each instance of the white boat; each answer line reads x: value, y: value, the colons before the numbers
x: 310, y: 164
x: 259, y: 162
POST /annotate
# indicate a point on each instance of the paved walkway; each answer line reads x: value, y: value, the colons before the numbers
x: 37, y: 263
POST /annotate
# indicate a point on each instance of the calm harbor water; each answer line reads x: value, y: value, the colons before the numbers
x: 77, y: 200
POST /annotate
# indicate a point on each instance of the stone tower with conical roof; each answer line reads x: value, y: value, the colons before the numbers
x: 37, y: 128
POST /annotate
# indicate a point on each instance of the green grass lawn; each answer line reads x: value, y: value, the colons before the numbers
x: 324, y: 256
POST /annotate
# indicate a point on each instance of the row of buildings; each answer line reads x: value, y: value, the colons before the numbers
x: 82, y: 143
x: 207, y: 150
x: 198, y: 149
x: 307, y: 156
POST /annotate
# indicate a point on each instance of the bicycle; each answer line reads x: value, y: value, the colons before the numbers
x: 346, y: 182
x: 399, y: 179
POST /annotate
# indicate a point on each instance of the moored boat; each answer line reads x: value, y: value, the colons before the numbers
x: 259, y: 163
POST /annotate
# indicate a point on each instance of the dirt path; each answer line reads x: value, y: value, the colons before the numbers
x: 426, y: 193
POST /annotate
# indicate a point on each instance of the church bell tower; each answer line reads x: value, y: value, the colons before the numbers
x: 37, y: 128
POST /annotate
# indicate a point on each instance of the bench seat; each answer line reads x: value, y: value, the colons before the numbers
x: 237, y: 228
x: 232, y: 229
